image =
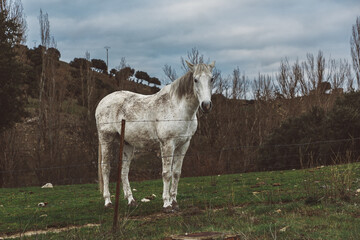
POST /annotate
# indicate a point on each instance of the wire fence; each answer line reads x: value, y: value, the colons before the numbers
x: 233, y: 149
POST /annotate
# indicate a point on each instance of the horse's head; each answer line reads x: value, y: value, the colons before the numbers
x: 203, y: 83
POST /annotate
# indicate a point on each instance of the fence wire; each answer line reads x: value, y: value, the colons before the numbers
x: 24, y: 152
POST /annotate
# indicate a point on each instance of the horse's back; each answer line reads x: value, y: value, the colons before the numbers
x: 115, y: 101
x: 109, y: 107
x: 123, y: 105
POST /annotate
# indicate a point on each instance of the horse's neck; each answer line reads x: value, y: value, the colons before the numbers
x: 186, y: 106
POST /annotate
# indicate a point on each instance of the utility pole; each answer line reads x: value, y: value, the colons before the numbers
x: 107, y: 58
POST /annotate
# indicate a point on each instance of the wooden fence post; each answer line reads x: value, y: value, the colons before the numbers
x: 116, y: 210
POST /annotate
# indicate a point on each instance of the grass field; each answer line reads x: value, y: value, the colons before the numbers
x: 319, y: 203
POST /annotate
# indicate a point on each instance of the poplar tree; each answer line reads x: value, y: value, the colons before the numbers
x: 11, y: 70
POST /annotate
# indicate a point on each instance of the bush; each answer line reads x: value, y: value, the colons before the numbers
x: 314, y: 138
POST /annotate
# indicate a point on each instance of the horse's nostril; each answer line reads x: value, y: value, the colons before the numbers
x: 206, y: 106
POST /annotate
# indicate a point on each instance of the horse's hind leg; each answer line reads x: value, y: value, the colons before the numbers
x: 108, y: 151
x: 126, y: 161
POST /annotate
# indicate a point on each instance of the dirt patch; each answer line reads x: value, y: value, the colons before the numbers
x: 204, y: 236
x: 49, y: 230
x: 152, y: 217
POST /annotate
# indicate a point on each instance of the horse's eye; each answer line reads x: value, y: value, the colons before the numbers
x: 195, y: 80
x: 212, y: 79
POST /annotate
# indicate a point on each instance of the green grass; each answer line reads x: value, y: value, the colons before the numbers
x: 299, y: 204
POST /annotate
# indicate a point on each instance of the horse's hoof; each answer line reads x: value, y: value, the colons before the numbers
x: 108, y: 205
x: 175, y: 206
x: 168, y: 209
x: 133, y: 203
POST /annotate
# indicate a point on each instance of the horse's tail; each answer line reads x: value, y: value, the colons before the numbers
x: 101, y: 181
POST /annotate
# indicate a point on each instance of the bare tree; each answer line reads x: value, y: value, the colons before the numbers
x: 90, y: 84
x: 320, y: 70
x: 235, y: 82
x: 310, y: 70
x: 87, y: 83
x: 123, y: 64
x: 288, y: 78
x: 219, y: 85
x: 170, y: 73
x: 8, y: 163
x: 315, y: 74
x: 222, y: 85
x: 239, y: 84
x: 338, y: 74
x: 297, y: 77
x: 51, y: 95
x: 263, y: 88
x: 194, y: 56
x: 350, y: 81
x: 282, y: 77
x: 355, y: 49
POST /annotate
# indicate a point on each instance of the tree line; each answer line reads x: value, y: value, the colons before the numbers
x: 121, y: 73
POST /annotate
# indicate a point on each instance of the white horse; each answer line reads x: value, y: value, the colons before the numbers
x: 165, y: 120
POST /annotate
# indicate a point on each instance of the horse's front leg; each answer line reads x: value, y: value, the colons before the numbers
x: 179, y: 155
x: 167, y: 152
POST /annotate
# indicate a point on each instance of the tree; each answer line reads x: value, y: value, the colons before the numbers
x: 239, y: 84
x: 113, y: 72
x: 80, y: 63
x: 281, y: 148
x: 263, y: 88
x: 340, y: 72
x: 355, y: 49
x: 289, y: 78
x: 12, y: 33
x: 170, y: 73
x: 315, y: 137
x: 12, y: 25
x: 99, y: 64
x: 14, y: 11
x: 154, y: 80
x: 123, y: 64
x: 194, y: 56
x: 54, y: 53
x: 51, y: 96
x: 123, y: 75
x: 315, y: 73
x: 142, y: 76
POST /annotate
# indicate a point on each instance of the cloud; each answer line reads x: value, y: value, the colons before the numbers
x: 251, y: 34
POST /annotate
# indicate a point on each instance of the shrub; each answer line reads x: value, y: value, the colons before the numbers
x: 314, y: 137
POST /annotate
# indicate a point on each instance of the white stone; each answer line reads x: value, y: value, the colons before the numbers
x: 48, y: 185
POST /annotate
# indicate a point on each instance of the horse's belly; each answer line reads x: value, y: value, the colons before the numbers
x: 141, y: 136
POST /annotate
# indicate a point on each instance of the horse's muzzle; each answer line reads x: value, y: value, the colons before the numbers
x: 206, y: 106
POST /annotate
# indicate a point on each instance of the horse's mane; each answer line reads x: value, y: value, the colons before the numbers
x: 184, y: 85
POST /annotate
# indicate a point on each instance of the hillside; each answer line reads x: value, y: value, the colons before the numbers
x: 69, y: 120
x: 57, y: 142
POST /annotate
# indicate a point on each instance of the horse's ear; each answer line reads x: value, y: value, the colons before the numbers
x: 190, y: 65
x: 212, y: 65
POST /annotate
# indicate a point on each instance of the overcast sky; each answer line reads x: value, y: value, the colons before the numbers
x: 251, y: 34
